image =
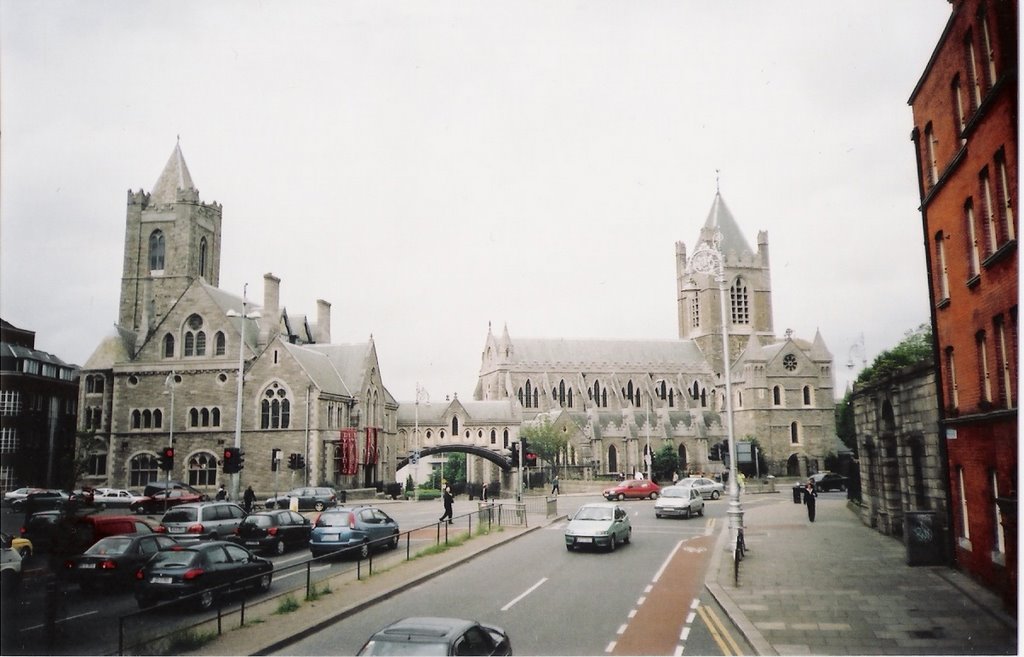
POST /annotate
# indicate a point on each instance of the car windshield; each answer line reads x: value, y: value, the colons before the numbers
x: 386, y: 647
x: 675, y: 492
x: 173, y: 558
x: 334, y: 520
x: 594, y: 513
x: 180, y: 515
x: 110, y: 546
x: 258, y: 521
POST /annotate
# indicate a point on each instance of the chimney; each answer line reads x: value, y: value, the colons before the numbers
x: 271, y: 313
x: 323, y: 322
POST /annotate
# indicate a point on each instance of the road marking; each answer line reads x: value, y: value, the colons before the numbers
x: 632, y: 613
x: 695, y: 603
x: 611, y: 647
x: 718, y: 632
x: 690, y: 616
x: 641, y: 600
x: 524, y: 594
x: 301, y: 572
x: 60, y: 620
x: 665, y: 563
x: 622, y: 628
x: 684, y: 635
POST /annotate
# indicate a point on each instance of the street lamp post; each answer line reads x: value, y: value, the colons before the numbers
x: 169, y: 383
x: 235, y: 479
x: 421, y: 395
x: 708, y: 259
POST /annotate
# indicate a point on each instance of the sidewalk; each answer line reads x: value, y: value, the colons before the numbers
x: 836, y: 587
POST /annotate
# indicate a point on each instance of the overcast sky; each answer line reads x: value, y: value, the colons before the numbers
x: 432, y: 167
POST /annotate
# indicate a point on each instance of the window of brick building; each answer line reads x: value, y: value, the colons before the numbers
x: 984, y: 373
x: 973, y: 251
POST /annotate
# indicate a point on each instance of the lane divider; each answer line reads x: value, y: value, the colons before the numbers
x: 524, y: 594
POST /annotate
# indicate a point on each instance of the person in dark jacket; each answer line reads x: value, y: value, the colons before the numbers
x: 809, y: 501
x: 248, y: 499
x: 448, y: 499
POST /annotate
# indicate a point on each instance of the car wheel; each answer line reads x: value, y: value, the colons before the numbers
x: 568, y: 546
x: 620, y: 497
x: 613, y: 544
x: 319, y: 506
x: 688, y: 512
x: 629, y: 535
x: 393, y: 545
x: 842, y: 487
x: 264, y: 582
x: 16, y: 506
x: 715, y: 494
x: 279, y: 547
x: 700, y: 512
x: 657, y: 515
x: 205, y: 600
x: 654, y: 496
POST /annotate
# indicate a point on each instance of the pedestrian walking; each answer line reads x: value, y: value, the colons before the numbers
x: 554, y: 486
x: 809, y: 495
x: 248, y: 499
x: 448, y: 499
x: 222, y: 494
x: 741, y: 479
x: 675, y: 478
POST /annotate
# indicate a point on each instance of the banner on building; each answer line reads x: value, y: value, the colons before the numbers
x: 347, y: 457
x: 370, y: 453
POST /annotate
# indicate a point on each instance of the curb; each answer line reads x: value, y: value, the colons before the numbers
x: 753, y: 636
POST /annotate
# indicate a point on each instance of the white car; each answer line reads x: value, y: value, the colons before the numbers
x: 711, y: 490
x: 676, y: 501
x: 114, y: 497
x: 19, y: 494
x: 598, y: 525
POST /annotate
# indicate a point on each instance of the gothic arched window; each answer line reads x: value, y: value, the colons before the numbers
x: 219, y: 344
x: 740, y: 302
x: 275, y: 407
x: 202, y: 469
x: 156, y: 251
x: 142, y: 469
x: 168, y: 346
x: 202, y: 258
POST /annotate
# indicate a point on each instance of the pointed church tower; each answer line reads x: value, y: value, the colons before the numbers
x: 748, y: 289
x: 170, y: 239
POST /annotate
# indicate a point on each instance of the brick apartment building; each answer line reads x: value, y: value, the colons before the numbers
x: 965, y: 137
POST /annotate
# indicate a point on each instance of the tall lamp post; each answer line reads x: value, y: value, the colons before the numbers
x: 421, y: 395
x: 235, y: 479
x: 708, y: 259
x: 169, y: 383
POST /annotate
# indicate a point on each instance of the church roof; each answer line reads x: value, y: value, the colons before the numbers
x: 721, y: 219
x: 588, y: 353
x: 174, y: 177
x: 110, y: 350
x: 477, y: 412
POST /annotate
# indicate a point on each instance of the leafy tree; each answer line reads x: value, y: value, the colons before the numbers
x: 455, y: 468
x: 916, y: 347
x: 545, y: 441
x: 665, y: 462
x: 845, y: 429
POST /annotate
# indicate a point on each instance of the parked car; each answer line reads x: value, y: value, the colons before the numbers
x: 274, y: 531
x: 41, y: 500
x: 438, y: 636
x: 353, y: 529
x: 708, y: 488
x: 599, y: 524
x: 202, y: 521
x: 826, y: 481
x: 111, y: 562
x: 211, y: 570
x: 41, y: 528
x: 115, y: 497
x: 678, y: 501
x: 155, y: 488
x: 310, y: 498
x: 634, y: 489
x: 10, y: 570
x: 164, y: 500
x: 19, y: 493
x: 21, y: 545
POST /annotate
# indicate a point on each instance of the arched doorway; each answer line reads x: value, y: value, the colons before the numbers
x: 793, y: 466
x: 682, y: 458
x: 613, y: 459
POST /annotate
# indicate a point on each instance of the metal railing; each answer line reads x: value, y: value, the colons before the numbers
x: 488, y: 516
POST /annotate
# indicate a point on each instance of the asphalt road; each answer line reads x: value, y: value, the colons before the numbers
x: 644, y: 598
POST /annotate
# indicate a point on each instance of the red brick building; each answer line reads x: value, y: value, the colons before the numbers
x: 965, y: 136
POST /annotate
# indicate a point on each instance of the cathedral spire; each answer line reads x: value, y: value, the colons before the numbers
x: 721, y: 219
x: 175, y: 176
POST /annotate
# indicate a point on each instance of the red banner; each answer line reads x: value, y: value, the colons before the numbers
x: 347, y: 457
x: 370, y: 453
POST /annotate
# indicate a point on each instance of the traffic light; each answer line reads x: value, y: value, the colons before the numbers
x: 233, y: 461
x: 293, y: 460
x: 300, y: 461
x: 715, y: 452
x: 530, y: 460
x: 167, y: 459
x: 514, y: 456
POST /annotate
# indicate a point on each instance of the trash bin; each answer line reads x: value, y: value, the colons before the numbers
x: 797, y: 492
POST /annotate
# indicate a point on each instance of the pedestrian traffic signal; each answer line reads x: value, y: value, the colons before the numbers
x: 275, y: 459
x: 167, y: 459
x: 233, y: 460
x: 530, y: 459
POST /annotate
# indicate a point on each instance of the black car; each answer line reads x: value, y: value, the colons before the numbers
x: 42, y: 529
x: 112, y: 562
x: 826, y: 481
x: 311, y: 498
x: 274, y: 531
x: 211, y: 570
x: 438, y: 636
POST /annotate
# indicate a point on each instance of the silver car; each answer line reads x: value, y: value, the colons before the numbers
x: 676, y: 501
x: 202, y: 521
x: 710, y: 490
x: 602, y: 524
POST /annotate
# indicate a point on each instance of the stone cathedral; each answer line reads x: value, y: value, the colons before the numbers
x: 614, y: 397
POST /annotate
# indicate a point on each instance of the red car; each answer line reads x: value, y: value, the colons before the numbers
x: 157, y: 503
x: 636, y: 489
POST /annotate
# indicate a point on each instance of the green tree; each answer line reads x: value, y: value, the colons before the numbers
x: 455, y: 467
x: 665, y: 463
x: 916, y: 346
x: 545, y: 441
x: 845, y: 428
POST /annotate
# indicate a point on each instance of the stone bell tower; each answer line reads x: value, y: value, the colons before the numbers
x: 171, y: 238
x: 748, y: 289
